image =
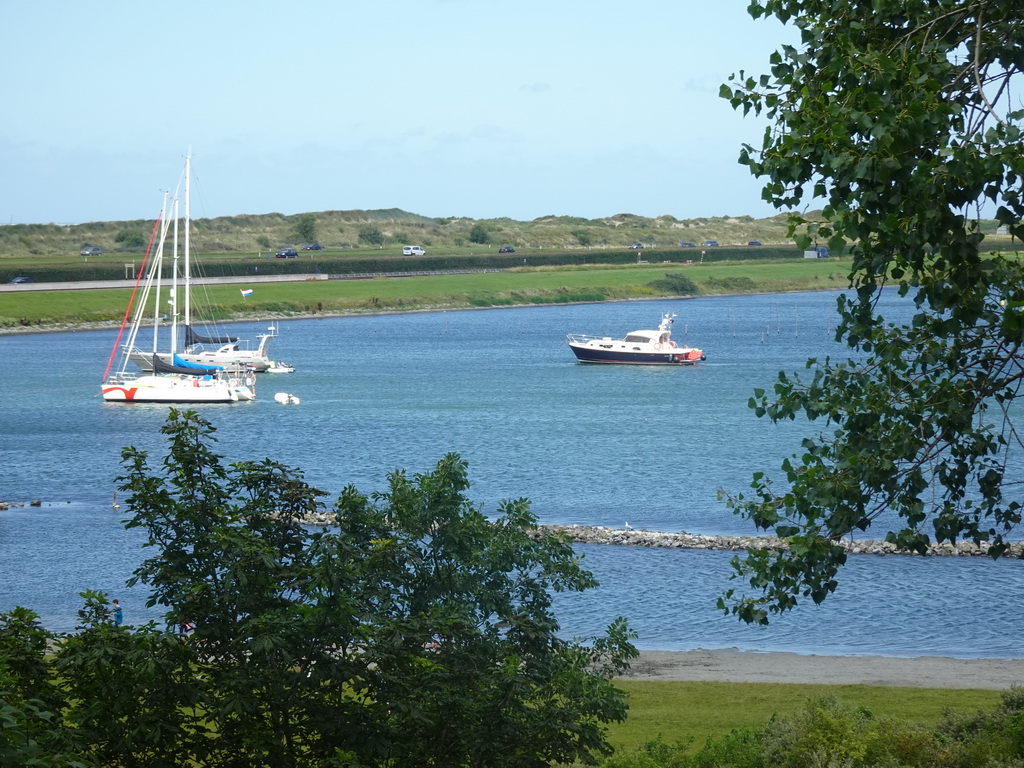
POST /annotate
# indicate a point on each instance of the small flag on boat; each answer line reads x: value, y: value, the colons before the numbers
x: 246, y: 291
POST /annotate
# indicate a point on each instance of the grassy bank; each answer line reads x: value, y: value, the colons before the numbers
x: 692, y: 712
x: 377, y: 231
x: 519, y: 286
x: 368, y: 232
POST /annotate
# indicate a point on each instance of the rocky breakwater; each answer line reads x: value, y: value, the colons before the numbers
x: 4, y: 505
x: 631, y: 537
x: 639, y: 537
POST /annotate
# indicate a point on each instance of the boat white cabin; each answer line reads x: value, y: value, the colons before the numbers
x: 642, y: 347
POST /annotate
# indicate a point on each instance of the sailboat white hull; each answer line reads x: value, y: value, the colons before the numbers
x: 238, y: 359
x: 171, y: 388
x: 241, y: 359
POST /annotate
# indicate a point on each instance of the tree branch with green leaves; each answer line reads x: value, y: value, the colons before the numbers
x: 900, y: 118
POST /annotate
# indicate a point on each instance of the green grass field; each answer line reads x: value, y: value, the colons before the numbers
x: 685, y: 712
x: 448, y: 291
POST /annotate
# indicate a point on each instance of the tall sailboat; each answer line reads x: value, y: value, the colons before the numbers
x: 164, y: 375
x: 230, y: 352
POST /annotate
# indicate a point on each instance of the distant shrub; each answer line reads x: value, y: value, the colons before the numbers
x: 655, y: 754
x: 565, y: 296
x: 492, y: 301
x: 583, y: 237
x: 130, y: 238
x: 676, y: 284
x: 263, y: 242
x: 983, y: 736
x: 741, y: 748
x: 740, y: 284
x: 479, y: 234
x: 305, y: 227
x: 370, y: 233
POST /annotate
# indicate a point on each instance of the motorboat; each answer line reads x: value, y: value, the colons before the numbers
x: 280, y: 366
x: 643, y: 347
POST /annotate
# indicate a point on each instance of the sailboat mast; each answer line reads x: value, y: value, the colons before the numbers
x: 152, y: 284
x: 174, y: 286
x: 188, y: 243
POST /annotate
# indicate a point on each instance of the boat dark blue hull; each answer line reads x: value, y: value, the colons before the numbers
x: 675, y: 357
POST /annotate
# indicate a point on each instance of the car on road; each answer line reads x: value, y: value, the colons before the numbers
x: 413, y: 250
x: 710, y: 243
x: 20, y: 280
x: 287, y: 253
x: 506, y: 249
x: 754, y: 242
x: 91, y: 251
x: 685, y: 244
x: 637, y: 245
x: 313, y: 247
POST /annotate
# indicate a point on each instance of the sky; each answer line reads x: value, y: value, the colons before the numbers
x: 466, y: 108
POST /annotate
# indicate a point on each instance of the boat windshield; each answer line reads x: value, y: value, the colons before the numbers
x: 636, y: 337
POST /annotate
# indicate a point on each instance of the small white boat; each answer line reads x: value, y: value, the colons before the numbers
x: 279, y: 366
x: 644, y: 347
x: 286, y: 399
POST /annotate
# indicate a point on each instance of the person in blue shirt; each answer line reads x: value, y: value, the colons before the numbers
x: 115, y: 611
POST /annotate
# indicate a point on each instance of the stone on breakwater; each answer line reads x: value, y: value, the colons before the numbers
x: 9, y: 504
x: 598, y: 534
x: 633, y: 537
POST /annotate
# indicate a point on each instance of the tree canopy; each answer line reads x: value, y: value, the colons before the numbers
x: 411, y: 630
x: 899, y: 118
x: 479, y: 234
x: 305, y: 227
x: 371, y: 234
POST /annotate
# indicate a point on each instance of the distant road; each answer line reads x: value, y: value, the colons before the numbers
x: 83, y: 285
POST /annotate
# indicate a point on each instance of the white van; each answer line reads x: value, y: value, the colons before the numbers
x: 818, y: 252
x: 413, y: 250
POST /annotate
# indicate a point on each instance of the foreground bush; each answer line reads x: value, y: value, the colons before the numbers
x: 412, y: 631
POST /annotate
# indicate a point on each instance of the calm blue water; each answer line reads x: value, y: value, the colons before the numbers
x: 588, y: 445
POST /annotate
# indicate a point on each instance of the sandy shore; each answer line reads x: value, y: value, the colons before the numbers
x: 730, y: 665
